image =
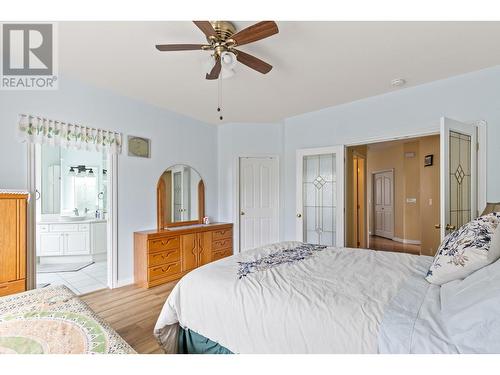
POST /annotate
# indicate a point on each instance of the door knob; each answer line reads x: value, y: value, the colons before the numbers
x: 450, y: 227
x: 242, y: 213
x: 437, y: 226
x: 299, y: 215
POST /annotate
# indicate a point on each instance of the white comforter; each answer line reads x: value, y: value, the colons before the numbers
x: 332, y: 302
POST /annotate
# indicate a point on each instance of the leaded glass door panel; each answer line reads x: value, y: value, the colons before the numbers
x: 458, y: 174
x: 320, y: 206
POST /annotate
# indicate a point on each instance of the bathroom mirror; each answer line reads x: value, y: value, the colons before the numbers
x: 180, y: 197
x: 72, y: 181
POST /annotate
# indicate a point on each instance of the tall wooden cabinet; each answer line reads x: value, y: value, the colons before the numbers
x: 13, y: 216
x: 165, y: 255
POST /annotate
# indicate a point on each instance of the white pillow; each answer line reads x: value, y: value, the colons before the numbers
x: 470, y: 311
x: 473, y: 246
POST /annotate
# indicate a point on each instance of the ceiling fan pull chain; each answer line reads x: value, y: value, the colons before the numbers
x: 219, y: 97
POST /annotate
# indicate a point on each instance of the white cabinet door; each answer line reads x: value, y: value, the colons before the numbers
x: 77, y: 243
x: 99, y: 239
x: 50, y: 244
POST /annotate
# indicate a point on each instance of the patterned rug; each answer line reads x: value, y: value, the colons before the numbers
x: 54, y: 320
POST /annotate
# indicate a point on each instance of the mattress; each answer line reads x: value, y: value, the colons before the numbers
x: 330, y: 302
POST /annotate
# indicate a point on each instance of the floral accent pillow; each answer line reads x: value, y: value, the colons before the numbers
x: 473, y: 246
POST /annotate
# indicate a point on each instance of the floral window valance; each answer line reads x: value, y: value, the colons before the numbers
x: 34, y: 129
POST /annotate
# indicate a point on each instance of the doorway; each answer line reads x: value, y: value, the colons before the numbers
x: 258, y: 201
x: 74, y: 241
x: 402, y: 195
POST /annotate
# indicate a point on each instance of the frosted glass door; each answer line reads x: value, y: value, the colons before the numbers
x: 320, y: 206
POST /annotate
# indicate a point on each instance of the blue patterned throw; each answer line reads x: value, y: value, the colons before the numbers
x: 284, y: 256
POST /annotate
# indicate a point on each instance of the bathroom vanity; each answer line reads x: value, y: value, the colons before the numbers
x: 57, y: 238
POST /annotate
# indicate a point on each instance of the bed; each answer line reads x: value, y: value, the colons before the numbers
x: 328, y: 300
x: 54, y: 320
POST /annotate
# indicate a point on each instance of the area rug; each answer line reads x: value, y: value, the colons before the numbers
x: 62, y: 267
x: 54, y: 320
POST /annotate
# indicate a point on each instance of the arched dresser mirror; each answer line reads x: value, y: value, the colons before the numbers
x: 180, y: 196
x: 181, y: 242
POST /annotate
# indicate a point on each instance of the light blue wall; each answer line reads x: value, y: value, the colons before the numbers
x: 469, y: 97
x: 175, y: 139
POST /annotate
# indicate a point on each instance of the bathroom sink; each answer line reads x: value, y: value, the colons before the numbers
x: 73, y: 218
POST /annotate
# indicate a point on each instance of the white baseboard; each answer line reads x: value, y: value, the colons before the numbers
x: 124, y: 282
x: 406, y: 241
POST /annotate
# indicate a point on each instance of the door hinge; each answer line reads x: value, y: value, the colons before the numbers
x: 477, y: 146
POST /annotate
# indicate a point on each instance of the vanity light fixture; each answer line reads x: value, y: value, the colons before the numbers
x: 83, y: 171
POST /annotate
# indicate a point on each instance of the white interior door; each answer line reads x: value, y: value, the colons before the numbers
x: 259, y: 202
x: 383, y: 201
x: 458, y: 174
x: 320, y: 196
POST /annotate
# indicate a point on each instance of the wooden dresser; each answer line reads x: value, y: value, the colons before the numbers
x: 165, y: 255
x: 13, y: 215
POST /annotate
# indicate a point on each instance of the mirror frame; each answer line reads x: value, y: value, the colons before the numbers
x: 160, y: 203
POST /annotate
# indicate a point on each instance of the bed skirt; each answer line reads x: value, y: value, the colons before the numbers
x: 190, y: 342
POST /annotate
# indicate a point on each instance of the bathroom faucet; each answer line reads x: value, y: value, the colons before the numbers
x: 75, y: 211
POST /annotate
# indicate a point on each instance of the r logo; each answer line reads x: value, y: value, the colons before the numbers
x: 27, y: 50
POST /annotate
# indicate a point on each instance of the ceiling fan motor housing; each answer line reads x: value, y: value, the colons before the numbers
x: 224, y: 29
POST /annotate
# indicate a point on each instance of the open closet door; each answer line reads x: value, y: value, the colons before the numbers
x: 458, y: 174
x: 320, y: 196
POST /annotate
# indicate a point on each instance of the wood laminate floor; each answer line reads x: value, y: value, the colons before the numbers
x: 132, y: 312
x: 384, y: 244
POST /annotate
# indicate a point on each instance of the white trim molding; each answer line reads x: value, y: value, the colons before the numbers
x: 482, y: 164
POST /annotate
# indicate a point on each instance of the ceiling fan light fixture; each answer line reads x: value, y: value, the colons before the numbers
x: 228, y: 60
x: 226, y: 73
x: 208, y: 64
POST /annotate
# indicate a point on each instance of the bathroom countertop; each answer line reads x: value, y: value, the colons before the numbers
x: 62, y: 221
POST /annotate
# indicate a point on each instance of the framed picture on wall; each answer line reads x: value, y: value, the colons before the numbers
x: 428, y: 160
x: 138, y: 146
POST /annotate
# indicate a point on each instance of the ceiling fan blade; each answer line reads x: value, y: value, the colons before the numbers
x: 253, y: 62
x: 206, y: 27
x: 214, y: 73
x: 179, y: 47
x: 255, y: 32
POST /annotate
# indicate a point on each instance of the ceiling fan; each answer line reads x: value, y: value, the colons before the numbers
x: 223, y: 39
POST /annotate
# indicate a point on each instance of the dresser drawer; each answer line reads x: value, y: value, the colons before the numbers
x: 12, y: 287
x: 222, y: 233
x: 164, y: 244
x: 165, y: 270
x: 219, y: 254
x: 222, y: 244
x: 163, y: 257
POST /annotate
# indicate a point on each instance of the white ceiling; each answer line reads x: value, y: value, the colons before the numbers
x: 316, y: 64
